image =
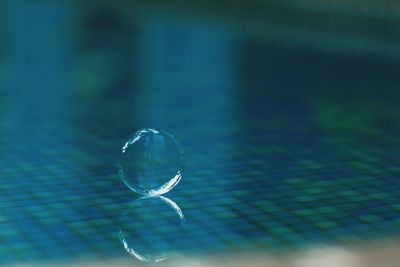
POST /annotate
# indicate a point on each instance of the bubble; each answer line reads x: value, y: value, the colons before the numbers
x: 151, y: 228
x: 151, y: 162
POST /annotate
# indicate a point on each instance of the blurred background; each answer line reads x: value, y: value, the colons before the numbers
x: 288, y: 114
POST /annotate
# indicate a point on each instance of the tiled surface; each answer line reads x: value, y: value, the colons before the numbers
x: 67, y: 204
x: 278, y: 157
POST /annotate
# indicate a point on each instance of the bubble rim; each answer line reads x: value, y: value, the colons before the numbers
x: 167, y: 186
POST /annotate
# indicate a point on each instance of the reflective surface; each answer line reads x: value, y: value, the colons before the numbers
x: 287, y: 145
x: 152, y: 228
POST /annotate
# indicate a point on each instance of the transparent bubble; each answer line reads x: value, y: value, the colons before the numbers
x: 151, y: 162
x: 151, y: 228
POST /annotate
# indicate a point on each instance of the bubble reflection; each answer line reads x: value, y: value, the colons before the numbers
x: 152, y: 228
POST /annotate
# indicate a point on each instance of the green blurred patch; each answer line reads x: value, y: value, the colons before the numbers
x: 369, y: 117
x: 347, y: 117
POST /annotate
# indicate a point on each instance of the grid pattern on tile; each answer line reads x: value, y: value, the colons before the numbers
x: 60, y: 201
